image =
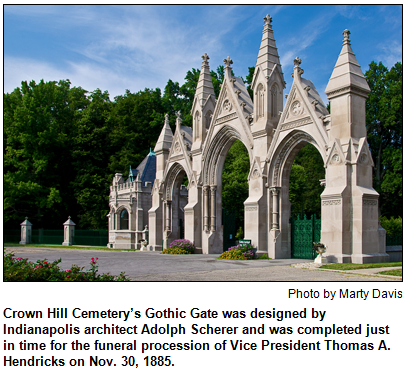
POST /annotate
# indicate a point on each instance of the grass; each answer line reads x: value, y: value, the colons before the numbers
x: 100, y: 248
x: 392, y: 272
x: 262, y: 257
x: 351, y: 266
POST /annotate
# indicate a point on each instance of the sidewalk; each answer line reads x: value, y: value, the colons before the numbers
x: 373, y: 272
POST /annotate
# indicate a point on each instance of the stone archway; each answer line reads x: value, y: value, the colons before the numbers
x: 175, y: 200
x: 212, y: 187
x: 278, y: 190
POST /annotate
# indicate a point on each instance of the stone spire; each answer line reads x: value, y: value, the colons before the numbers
x: 162, y: 148
x: 165, y: 138
x: 347, y: 72
x: 347, y: 91
x: 204, y: 86
x: 268, y: 53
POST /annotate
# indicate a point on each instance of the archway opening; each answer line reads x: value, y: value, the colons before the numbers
x: 304, y: 183
x: 175, y: 205
x: 234, y: 193
x: 305, y: 187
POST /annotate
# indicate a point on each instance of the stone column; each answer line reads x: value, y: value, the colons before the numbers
x: 213, y: 207
x: 206, y: 207
x: 68, y: 232
x: 168, y: 215
x: 275, y: 208
x: 26, y: 229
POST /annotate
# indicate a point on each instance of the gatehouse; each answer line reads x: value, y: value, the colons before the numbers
x: 273, y: 134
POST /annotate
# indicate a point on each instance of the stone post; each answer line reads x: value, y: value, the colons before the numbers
x: 275, y: 208
x: 206, y: 207
x: 68, y: 232
x: 213, y: 208
x: 26, y: 229
x: 168, y: 215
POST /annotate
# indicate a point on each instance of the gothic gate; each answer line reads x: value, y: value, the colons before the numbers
x: 304, y: 233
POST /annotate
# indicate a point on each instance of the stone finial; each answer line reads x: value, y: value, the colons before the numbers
x: 228, y: 61
x: 166, y: 118
x: 178, y: 117
x: 297, y: 61
x: 205, y: 57
x: 346, y: 34
x: 267, y: 19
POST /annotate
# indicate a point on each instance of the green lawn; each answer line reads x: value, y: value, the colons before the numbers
x: 351, y: 266
x: 102, y: 248
x: 392, y: 272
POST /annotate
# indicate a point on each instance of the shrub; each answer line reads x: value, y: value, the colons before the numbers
x: 240, y: 252
x: 393, y: 226
x: 175, y: 251
x: 20, y: 269
x: 240, y: 233
x: 182, y: 244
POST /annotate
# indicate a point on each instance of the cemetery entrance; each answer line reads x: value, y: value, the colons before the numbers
x: 304, y: 233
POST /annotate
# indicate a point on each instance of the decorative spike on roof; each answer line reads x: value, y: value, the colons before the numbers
x: 204, y: 86
x: 165, y: 138
x: 347, y: 72
x: 268, y: 55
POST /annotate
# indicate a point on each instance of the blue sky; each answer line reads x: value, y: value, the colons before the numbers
x: 133, y: 47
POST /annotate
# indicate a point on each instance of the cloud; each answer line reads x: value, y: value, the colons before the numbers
x: 89, y: 76
x: 390, y: 53
x: 304, y: 38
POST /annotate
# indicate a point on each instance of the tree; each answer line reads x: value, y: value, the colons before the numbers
x: 248, y: 80
x: 384, y: 120
x: 38, y: 121
x: 90, y: 154
x: 136, y: 121
x: 234, y: 181
x: 304, y: 184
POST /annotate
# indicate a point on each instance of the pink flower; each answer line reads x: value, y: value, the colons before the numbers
x: 68, y: 276
x: 68, y: 270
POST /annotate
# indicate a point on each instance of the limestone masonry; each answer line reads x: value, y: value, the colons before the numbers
x: 154, y: 196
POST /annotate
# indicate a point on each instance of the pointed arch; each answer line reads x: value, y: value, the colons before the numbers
x: 274, y: 99
x: 260, y: 100
x: 208, y: 117
x: 196, y: 132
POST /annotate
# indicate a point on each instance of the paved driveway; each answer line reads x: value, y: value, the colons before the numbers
x: 153, y: 266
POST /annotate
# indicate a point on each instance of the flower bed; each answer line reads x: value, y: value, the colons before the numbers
x: 181, y: 247
x: 20, y: 269
x: 239, y: 252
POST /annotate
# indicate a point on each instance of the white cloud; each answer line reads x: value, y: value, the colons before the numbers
x: 304, y: 38
x: 391, y: 53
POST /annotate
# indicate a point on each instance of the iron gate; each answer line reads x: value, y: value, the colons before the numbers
x: 228, y: 229
x: 304, y: 233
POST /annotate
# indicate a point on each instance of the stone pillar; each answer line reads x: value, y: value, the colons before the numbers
x: 68, y: 232
x: 26, y: 230
x: 213, y: 208
x: 206, y: 207
x: 168, y: 216
x: 275, y: 208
